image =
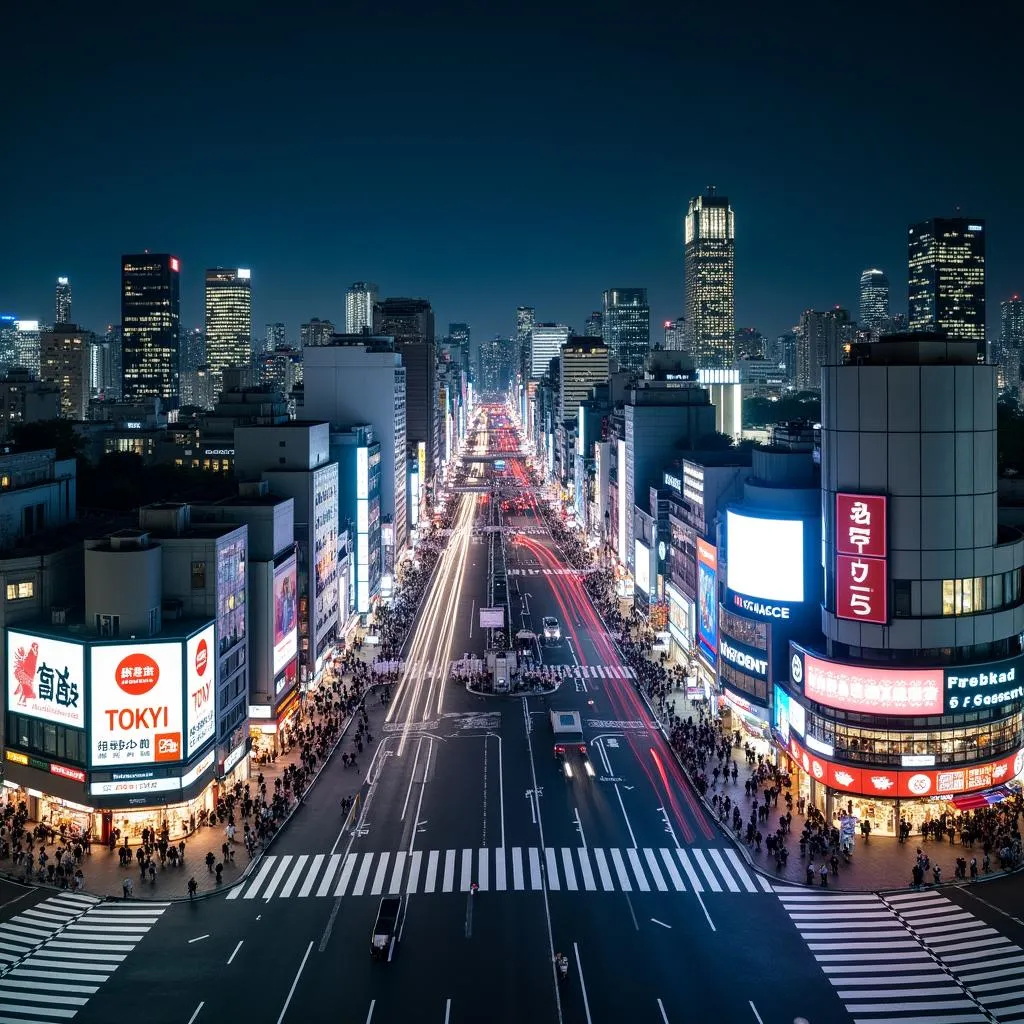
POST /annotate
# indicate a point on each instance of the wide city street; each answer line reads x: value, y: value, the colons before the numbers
x: 502, y: 858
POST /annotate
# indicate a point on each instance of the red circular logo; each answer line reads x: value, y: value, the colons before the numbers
x: 202, y: 656
x: 137, y: 674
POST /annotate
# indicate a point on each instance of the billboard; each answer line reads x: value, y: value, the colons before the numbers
x: 286, y: 619
x: 862, y: 584
x: 492, y: 618
x: 135, y: 704
x: 707, y: 600
x: 765, y: 557
x: 201, y: 692
x: 969, y: 687
x: 906, y: 783
x: 642, y: 566
x: 46, y: 678
x: 866, y: 688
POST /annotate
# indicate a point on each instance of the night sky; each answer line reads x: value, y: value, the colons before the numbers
x: 485, y: 156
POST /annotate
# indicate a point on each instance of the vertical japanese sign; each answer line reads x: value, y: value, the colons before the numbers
x: 862, y: 582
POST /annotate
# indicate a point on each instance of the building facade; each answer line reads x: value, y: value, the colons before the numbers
x: 150, y: 326
x: 874, y: 302
x: 64, y: 360
x: 626, y: 327
x: 62, y: 302
x: 709, y: 265
x: 359, y: 302
x: 228, y: 320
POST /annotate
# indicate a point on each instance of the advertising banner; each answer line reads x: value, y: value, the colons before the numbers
x: 892, y: 782
x: 46, y: 678
x: 642, y: 566
x: 201, y: 694
x: 969, y: 687
x: 707, y: 600
x: 492, y: 618
x: 286, y: 622
x: 136, y: 715
x: 862, y: 582
x: 765, y: 557
x: 863, y: 688
x: 746, y: 659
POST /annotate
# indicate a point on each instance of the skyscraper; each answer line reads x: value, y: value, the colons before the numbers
x: 946, y: 278
x: 26, y: 345
x: 459, y: 336
x: 819, y: 342
x: 874, y: 302
x: 593, y: 328
x: 359, y: 300
x: 583, y: 363
x: 525, y: 319
x: 676, y: 337
x: 315, y: 332
x: 709, y: 263
x: 228, y: 320
x: 1011, y: 343
x: 193, y: 349
x: 545, y: 342
x: 64, y: 358
x: 626, y: 327
x: 62, y: 305
x: 275, y: 337
x: 750, y: 343
x: 150, y: 318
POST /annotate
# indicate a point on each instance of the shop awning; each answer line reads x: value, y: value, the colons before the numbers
x: 972, y: 801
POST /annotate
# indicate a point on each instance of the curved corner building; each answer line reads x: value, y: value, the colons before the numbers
x: 912, y: 701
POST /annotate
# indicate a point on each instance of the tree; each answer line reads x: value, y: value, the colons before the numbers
x: 57, y: 434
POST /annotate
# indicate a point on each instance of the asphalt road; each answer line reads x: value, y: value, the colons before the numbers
x: 662, y: 919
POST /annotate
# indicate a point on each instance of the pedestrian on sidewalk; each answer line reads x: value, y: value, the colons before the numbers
x: 824, y: 876
x: 810, y: 874
x: 127, y: 887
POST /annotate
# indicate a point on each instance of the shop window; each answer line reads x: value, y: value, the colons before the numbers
x: 21, y: 591
x: 963, y: 597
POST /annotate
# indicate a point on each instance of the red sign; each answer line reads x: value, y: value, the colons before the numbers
x: 875, y: 691
x: 904, y: 783
x: 861, y: 590
x: 862, y: 583
x: 202, y: 656
x: 74, y: 774
x: 137, y: 674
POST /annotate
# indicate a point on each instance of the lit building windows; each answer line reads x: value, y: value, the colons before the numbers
x: 21, y: 591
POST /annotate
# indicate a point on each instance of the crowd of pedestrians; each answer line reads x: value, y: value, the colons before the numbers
x: 41, y: 853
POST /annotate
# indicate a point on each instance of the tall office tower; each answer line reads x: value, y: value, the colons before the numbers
x: 594, y: 325
x: 103, y: 378
x: 820, y: 340
x: 1011, y: 342
x: 946, y: 278
x: 545, y: 342
x: 676, y: 338
x: 626, y: 327
x: 874, y: 302
x: 898, y: 324
x: 359, y: 302
x: 228, y: 320
x: 26, y: 345
x: 64, y: 358
x: 113, y: 337
x: 8, y: 342
x: 784, y: 353
x: 525, y: 319
x: 582, y: 364
x: 150, y: 325
x: 709, y: 264
x: 62, y: 304
x: 459, y: 336
x: 275, y: 338
x: 315, y: 332
x: 411, y: 323
x: 193, y: 349
x: 750, y: 343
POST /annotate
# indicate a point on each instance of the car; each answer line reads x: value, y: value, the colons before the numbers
x: 552, y: 631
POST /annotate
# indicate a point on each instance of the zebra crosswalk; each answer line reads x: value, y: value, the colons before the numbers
x: 516, y: 869
x: 543, y: 572
x: 910, y: 957
x: 573, y: 671
x: 56, y: 954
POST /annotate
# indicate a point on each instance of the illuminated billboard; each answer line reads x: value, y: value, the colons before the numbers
x: 868, y: 689
x: 46, y: 679
x: 862, y: 584
x: 135, y: 704
x: 201, y: 693
x: 765, y: 557
x: 707, y: 600
x: 286, y: 619
x: 642, y: 566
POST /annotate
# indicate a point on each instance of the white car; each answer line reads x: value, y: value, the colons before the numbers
x: 552, y: 631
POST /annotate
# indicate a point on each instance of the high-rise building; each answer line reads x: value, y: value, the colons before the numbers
x: 820, y: 339
x: 1011, y: 343
x: 150, y: 324
x: 114, y: 338
x: 582, y: 364
x: 946, y: 278
x: 593, y: 327
x: 228, y: 319
x: 359, y: 301
x: 275, y: 337
x: 874, y: 302
x: 315, y: 332
x: 545, y: 342
x: 26, y: 345
x: 525, y: 319
x: 62, y: 303
x: 626, y: 327
x: 498, y: 362
x: 64, y: 357
x: 104, y: 381
x: 8, y: 342
x: 193, y: 349
x: 459, y: 337
x: 676, y: 338
x: 749, y: 343
x: 709, y: 260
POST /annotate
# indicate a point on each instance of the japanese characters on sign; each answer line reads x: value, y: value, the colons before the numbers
x: 136, y: 707
x: 862, y: 584
x: 45, y: 679
x: 201, y: 674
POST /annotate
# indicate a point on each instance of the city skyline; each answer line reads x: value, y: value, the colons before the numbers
x: 308, y: 233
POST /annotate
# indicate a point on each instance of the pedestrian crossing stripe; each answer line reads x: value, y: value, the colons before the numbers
x: 915, y: 953
x: 56, y: 954
x: 516, y: 869
x: 542, y: 572
x: 576, y: 671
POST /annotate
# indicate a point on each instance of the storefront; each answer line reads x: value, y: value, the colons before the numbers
x: 751, y: 722
x: 266, y: 727
x: 680, y: 624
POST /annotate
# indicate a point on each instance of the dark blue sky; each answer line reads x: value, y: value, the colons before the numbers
x: 484, y: 156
